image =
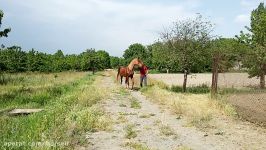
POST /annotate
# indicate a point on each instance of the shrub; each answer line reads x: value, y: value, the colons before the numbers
x: 203, y: 88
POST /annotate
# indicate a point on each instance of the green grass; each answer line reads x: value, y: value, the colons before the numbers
x: 194, y: 89
x: 121, y: 119
x: 130, y: 132
x: 144, y: 116
x: 24, y: 96
x: 202, y: 121
x: 166, y: 130
x: 135, y: 104
x: 226, y: 91
x: 70, y: 110
x: 136, y: 146
x: 154, y: 71
x: 122, y: 105
x: 123, y: 92
x: 203, y: 88
x: 8, y: 78
x: 196, y: 108
x: 183, y: 148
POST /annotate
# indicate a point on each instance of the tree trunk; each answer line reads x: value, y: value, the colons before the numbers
x: 185, y: 81
x: 262, y: 80
x: 262, y: 77
x: 214, y: 86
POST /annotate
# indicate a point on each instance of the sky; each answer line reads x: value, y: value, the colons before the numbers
x: 112, y: 25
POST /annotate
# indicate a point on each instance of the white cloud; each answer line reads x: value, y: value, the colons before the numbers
x: 103, y: 24
x: 219, y: 21
x: 242, y: 19
x: 247, y: 6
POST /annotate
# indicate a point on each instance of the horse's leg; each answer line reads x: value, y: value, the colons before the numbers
x: 121, y: 80
x: 132, y: 79
x: 128, y: 82
x: 118, y: 73
x: 141, y: 81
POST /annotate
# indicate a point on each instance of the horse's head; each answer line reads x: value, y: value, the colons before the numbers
x: 135, y: 62
x: 139, y: 62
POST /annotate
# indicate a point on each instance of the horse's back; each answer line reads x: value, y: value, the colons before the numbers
x: 123, y: 71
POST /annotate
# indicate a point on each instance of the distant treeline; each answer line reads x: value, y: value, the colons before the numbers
x: 155, y: 56
x: 14, y: 59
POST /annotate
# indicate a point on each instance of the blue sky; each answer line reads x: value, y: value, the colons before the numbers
x: 111, y: 25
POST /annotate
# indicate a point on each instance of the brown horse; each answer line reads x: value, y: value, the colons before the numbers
x: 128, y: 71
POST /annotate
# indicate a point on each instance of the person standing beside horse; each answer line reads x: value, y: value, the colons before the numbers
x: 143, y: 75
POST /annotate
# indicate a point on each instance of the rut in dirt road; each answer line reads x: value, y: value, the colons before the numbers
x: 138, y: 123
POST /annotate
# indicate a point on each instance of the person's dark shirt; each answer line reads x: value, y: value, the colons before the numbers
x: 143, y: 70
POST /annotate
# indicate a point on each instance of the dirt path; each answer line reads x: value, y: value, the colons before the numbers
x: 146, y: 125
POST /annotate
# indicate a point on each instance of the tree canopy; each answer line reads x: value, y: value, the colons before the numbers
x: 187, y: 40
x: 255, y: 40
x: 3, y: 33
x: 135, y: 51
x: 14, y: 59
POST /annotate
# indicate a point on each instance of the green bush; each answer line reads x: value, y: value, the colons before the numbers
x: 226, y: 91
x: 203, y: 88
x: 153, y: 71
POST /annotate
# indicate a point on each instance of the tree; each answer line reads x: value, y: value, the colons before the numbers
x: 59, y: 62
x: 31, y: 61
x: 5, y: 32
x: 86, y: 59
x: 94, y: 60
x: 135, y: 51
x: 103, y: 59
x: 44, y: 62
x: 224, y: 55
x: 161, y: 58
x: 73, y: 62
x: 116, y: 62
x: 148, y: 59
x: 255, y: 59
x: 187, y: 40
x: 14, y: 59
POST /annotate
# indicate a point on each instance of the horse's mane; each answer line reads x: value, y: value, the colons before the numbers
x: 134, y: 62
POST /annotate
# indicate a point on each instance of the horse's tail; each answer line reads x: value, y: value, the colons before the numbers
x: 118, y: 72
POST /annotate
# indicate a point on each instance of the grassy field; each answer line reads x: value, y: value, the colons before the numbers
x: 226, y: 80
x: 69, y: 100
x: 72, y: 109
x: 198, y: 109
x: 237, y: 93
x: 196, y: 106
x: 238, y: 96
